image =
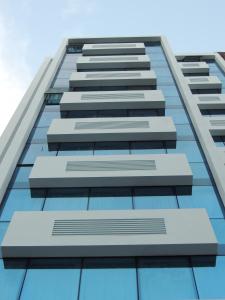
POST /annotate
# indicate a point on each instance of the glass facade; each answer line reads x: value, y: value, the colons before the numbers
x: 143, y: 278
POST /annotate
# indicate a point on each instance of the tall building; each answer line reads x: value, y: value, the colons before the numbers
x: 112, y: 178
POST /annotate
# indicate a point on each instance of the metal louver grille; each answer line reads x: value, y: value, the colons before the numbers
x: 109, y: 226
x: 115, y: 165
x: 112, y: 75
x: 209, y: 99
x: 114, y: 46
x: 112, y: 125
x: 105, y: 59
x: 217, y: 122
x: 203, y: 79
x: 113, y: 96
x: 190, y: 65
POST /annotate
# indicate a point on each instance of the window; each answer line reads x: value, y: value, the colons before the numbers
x: 53, y: 99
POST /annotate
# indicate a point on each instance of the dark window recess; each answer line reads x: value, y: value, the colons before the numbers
x: 74, y: 49
x: 53, y: 99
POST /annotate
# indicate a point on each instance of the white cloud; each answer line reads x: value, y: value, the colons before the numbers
x: 15, y: 73
x: 78, y: 8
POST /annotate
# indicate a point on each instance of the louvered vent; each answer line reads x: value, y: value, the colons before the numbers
x: 203, y: 79
x: 109, y: 226
x: 105, y: 59
x: 217, y: 122
x: 114, y: 46
x: 209, y: 99
x: 190, y: 65
x: 112, y: 75
x: 115, y: 165
x: 112, y: 125
x: 113, y: 96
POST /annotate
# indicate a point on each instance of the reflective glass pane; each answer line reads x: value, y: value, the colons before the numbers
x: 20, y: 200
x: 110, y: 199
x: 10, y: 282
x: 184, y: 132
x: 166, y: 278
x: 146, y: 147
x: 202, y: 197
x: 154, y: 198
x: 20, y: 178
x: 179, y: 116
x: 31, y: 151
x: 51, y: 284
x: 111, y: 148
x: 210, y: 280
x: 38, y: 135
x: 190, y: 148
x: 108, y: 279
x: 46, y: 118
x: 66, y: 199
x: 200, y: 174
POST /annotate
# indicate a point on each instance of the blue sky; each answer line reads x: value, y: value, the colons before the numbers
x: 31, y: 30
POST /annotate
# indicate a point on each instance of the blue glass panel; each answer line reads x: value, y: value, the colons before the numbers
x: 52, y: 108
x: 219, y: 228
x: 210, y: 280
x: 154, y: 198
x: 10, y: 282
x: 166, y: 278
x: 202, y: 197
x: 38, y: 135
x: 173, y: 102
x: 162, y: 72
x: 111, y: 148
x: 52, y: 99
x: 155, y: 202
x: 110, y: 281
x: 184, y: 133
x: 31, y: 151
x: 20, y: 178
x: 147, y: 147
x: 110, y: 199
x: 165, y: 80
x: 190, y: 148
x: 46, y: 118
x: 200, y: 174
x: 154, y: 49
x: 82, y: 114
x: 179, y: 116
x: 51, y: 284
x: 158, y: 63
x: 157, y: 55
x: 20, y: 200
x: 75, y: 149
x: 68, y: 199
x: 168, y: 90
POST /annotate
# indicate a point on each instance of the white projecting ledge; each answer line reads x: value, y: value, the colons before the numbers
x: 113, y: 62
x: 113, y: 78
x: 210, y: 101
x: 141, y: 99
x: 194, y: 68
x: 216, y: 125
x: 109, y: 233
x: 111, y: 129
x: 204, y: 83
x: 113, y: 170
x: 113, y: 48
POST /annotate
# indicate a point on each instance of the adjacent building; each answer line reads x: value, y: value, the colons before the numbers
x: 113, y: 175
